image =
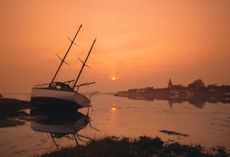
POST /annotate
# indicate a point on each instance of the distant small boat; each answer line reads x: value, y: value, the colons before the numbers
x: 61, y: 94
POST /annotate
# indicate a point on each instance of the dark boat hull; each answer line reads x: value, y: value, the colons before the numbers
x: 58, y: 98
x: 53, y: 104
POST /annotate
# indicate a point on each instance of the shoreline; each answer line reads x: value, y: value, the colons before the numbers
x: 138, y: 147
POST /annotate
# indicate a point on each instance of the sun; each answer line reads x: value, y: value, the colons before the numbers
x: 113, y: 78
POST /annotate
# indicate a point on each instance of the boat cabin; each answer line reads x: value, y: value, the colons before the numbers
x: 60, y: 86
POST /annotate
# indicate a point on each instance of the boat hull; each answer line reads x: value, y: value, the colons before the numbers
x: 44, y: 103
x: 57, y: 99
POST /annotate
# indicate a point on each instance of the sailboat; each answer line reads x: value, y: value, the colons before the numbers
x: 60, y: 95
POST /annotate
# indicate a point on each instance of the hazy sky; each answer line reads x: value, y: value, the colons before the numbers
x: 140, y: 42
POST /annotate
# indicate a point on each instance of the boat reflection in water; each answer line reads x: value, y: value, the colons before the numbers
x: 60, y: 124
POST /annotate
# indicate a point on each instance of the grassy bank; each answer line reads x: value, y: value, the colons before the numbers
x: 141, y: 147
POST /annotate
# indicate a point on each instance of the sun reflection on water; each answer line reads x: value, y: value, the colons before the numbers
x: 113, y: 108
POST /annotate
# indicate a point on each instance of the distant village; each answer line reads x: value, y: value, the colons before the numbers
x: 177, y: 93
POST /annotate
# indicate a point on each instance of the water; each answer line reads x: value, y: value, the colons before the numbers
x: 208, y: 125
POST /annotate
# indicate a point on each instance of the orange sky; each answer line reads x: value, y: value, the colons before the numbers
x: 140, y: 42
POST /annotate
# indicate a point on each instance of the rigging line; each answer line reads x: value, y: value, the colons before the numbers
x: 59, y: 67
x: 83, y: 65
x: 51, y: 51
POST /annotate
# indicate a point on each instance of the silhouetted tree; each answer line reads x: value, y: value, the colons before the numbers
x: 196, y: 85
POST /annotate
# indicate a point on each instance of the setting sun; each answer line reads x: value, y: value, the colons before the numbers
x: 113, y: 78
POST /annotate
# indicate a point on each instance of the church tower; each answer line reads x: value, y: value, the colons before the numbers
x: 170, y: 83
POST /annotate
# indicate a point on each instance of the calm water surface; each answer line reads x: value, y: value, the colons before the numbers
x: 208, y: 125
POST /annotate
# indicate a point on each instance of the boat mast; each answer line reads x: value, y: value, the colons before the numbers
x: 83, y: 65
x: 63, y: 60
